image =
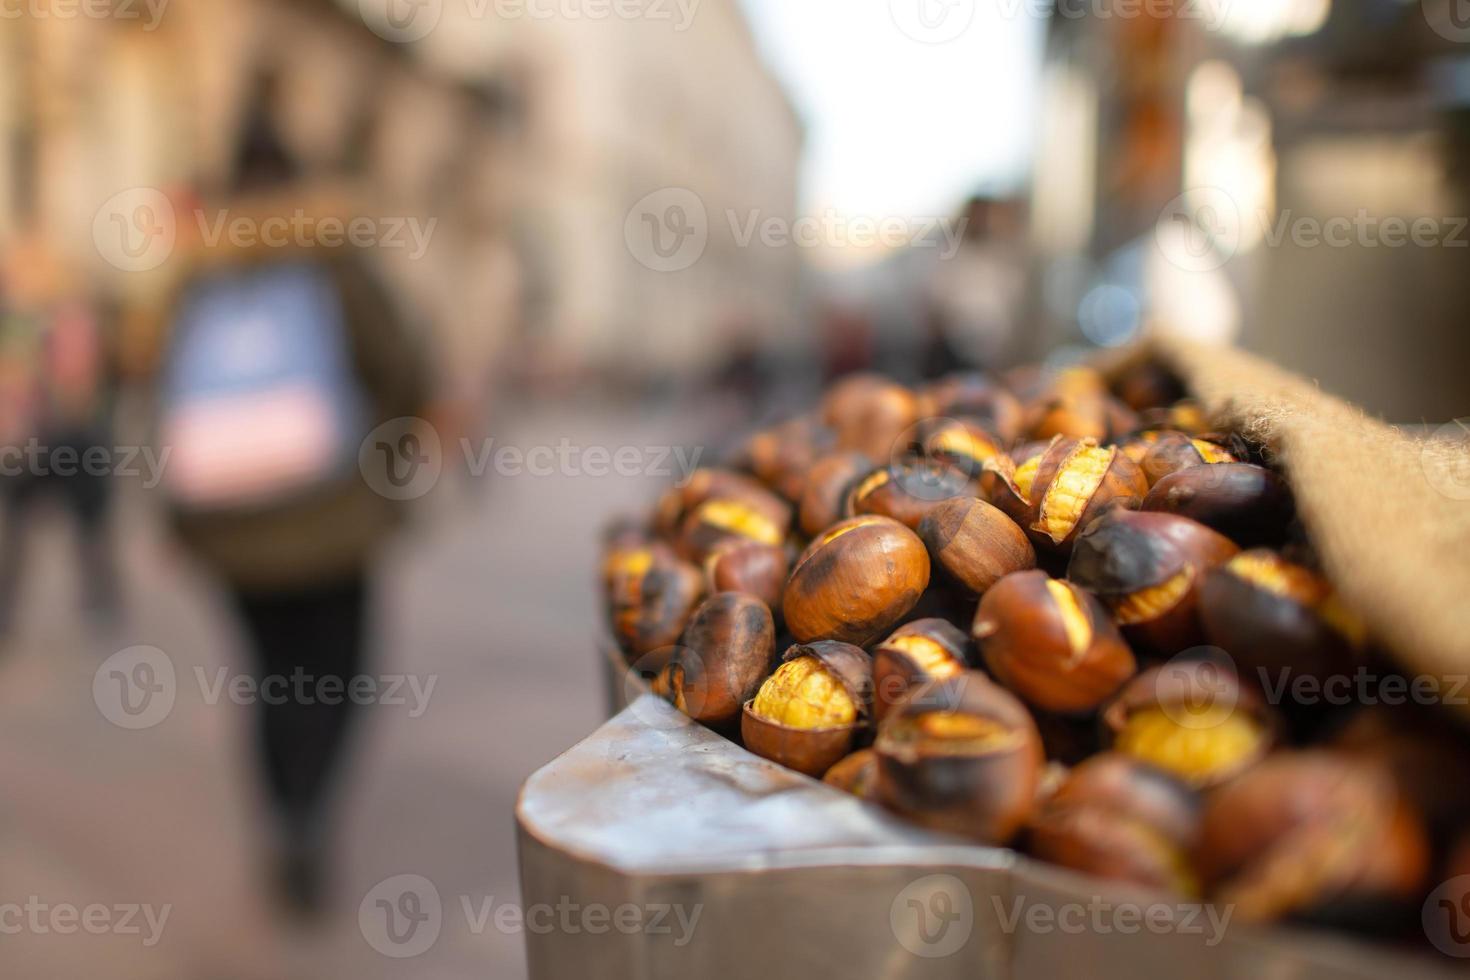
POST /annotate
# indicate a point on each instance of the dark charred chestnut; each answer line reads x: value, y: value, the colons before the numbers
x: 857, y: 774
x: 1148, y: 385
x: 1120, y: 819
x: 975, y: 543
x: 725, y: 652
x: 960, y: 755
x: 807, y: 714
x: 827, y: 484
x: 906, y: 492
x: 1069, y: 485
x: 650, y: 596
x: 1051, y: 643
x: 916, y: 653
x: 753, y: 567
x: 1170, y: 452
x: 1248, y: 504
x: 855, y: 581
x: 1147, y: 567
x: 1270, y: 614
x: 1312, y: 835
x: 1194, y: 719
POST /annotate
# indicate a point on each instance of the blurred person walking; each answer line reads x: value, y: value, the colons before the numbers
x: 56, y: 402
x: 278, y: 360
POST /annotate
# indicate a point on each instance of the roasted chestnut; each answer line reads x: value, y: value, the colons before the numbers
x: 1312, y: 835
x: 1270, y: 614
x: 1147, y: 567
x: 963, y: 446
x: 827, y: 484
x: 1192, y: 718
x: 808, y: 713
x: 1071, y: 417
x: 723, y: 518
x: 916, y: 652
x: 780, y: 456
x: 857, y: 774
x: 744, y: 565
x: 1146, y: 385
x: 1118, y: 818
x: 1071, y: 483
x: 725, y: 652
x: 855, y: 581
x: 1183, y: 416
x: 975, y: 398
x: 675, y: 506
x: 906, y: 491
x: 650, y: 596
x: 1170, y: 452
x: 975, y: 543
x: 1051, y: 643
x: 870, y: 414
x: 960, y: 755
x: 1247, y: 503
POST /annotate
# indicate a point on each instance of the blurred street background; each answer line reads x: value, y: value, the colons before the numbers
x: 334, y: 332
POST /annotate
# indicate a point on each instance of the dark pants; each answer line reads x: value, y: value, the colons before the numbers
x: 86, y: 496
x: 304, y: 637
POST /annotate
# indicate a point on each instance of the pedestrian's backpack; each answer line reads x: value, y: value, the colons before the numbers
x: 260, y: 401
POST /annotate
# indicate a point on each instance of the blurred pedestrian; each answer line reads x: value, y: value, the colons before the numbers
x: 56, y: 401
x: 278, y: 360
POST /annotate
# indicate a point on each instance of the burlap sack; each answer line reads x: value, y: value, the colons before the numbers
x: 1388, y: 511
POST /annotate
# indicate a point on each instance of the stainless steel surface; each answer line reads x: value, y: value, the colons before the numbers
x: 780, y: 876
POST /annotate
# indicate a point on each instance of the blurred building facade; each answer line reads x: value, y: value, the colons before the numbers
x: 1189, y: 165
x: 526, y: 157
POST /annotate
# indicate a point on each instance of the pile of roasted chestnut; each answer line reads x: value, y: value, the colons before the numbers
x: 1048, y: 610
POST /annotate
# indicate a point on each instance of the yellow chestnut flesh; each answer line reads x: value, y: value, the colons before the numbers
x: 1074, y: 618
x: 740, y: 518
x: 1025, y: 476
x: 1077, y: 479
x: 948, y: 731
x: 1150, y: 604
x: 1211, y: 739
x: 803, y: 693
x: 927, y: 654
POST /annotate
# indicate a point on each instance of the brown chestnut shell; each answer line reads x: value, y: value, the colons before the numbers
x: 1247, y: 503
x: 827, y: 484
x: 896, y: 671
x: 986, y: 789
x: 1022, y: 635
x: 743, y: 565
x: 906, y: 491
x: 975, y: 543
x: 856, y: 774
x: 855, y: 581
x: 814, y: 750
x: 725, y: 653
x: 651, y: 598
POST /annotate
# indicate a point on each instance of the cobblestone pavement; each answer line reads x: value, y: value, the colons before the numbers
x: 489, y: 597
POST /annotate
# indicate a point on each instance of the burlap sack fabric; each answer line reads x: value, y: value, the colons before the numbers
x: 1389, y: 512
